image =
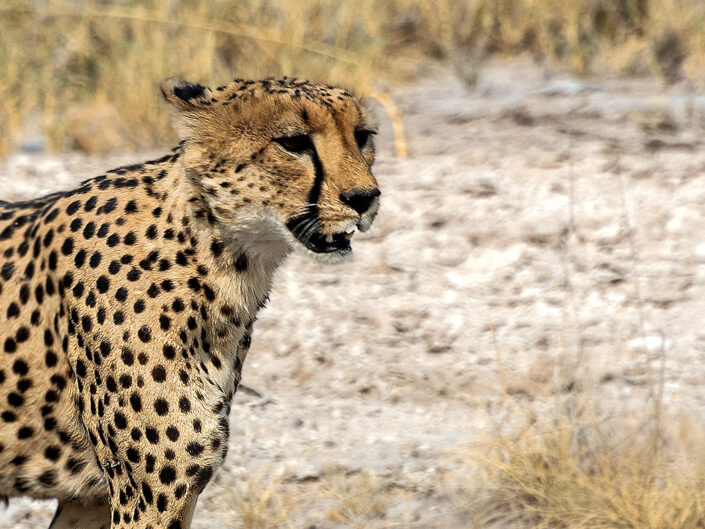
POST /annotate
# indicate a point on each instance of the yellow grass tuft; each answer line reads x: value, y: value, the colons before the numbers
x: 580, y: 471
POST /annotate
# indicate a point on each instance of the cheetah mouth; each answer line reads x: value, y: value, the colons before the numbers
x: 305, y: 230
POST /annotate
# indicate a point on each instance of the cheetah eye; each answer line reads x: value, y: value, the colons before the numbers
x: 295, y: 144
x: 362, y: 137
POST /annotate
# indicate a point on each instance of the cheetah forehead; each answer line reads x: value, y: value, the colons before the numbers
x: 296, y: 88
x: 265, y: 95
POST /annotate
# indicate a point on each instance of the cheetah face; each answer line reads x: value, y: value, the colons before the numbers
x: 293, y: 157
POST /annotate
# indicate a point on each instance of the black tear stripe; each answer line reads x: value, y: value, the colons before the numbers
x: 315, y: 193
x: 311, y: 211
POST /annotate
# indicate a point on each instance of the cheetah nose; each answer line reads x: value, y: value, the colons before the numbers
x: 360, y: 199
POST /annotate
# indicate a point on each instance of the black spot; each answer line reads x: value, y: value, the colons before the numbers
x: 103, y: 284
x: 161, y: 406
x: 20, y: 367
x: 48, y: 238
x: 110, y: 205
x: 147, y: 493
x: 8, y: 268
x: 114, y: 266
x: 50, y: 359
x: 217, y: 247
x: 73, y: 207
x: 29, y: 270
x: 52, y: 453
x: 13, y: 310
x: 136, y: 401
x: 89, y: 230
x: 133, y: 455
x: 127, y: 357
x: 179, y: 491
x: 125, y: 381
x: 152, y: 435
x: 80, y: 368
x: 144, y: 334
x: 95, y: 260
x: 120, y: 420
x: 172, y: 433
x: 194, y: 449
x: 22, y: 334
x: 67, y: 247
x: 78, y: 290
x: 15, y: 399
x: 162, y: 502
x: 167, y: 475
x: 159, y: 374
x: 169, y: 352
x: 25, y: 432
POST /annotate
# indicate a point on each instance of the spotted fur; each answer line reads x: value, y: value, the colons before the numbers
x: 128, y: 303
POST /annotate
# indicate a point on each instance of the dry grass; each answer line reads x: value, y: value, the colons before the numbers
x: 260, y: 503
x: 579, y: 464
x: 585, y: 471
x: 86, y: 72
x: 570, y: 472
x: 338, y: 496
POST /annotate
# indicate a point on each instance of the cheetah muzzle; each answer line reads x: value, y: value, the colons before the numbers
x: 128, y: 303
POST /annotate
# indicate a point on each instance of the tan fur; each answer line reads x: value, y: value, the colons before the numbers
x: 128, y: 303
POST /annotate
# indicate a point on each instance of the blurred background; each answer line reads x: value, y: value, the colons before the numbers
x: 518, y: 340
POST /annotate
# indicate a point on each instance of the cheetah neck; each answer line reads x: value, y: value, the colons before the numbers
x: 236, y: 262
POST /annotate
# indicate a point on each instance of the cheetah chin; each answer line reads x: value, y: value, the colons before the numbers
x: 329, y: 249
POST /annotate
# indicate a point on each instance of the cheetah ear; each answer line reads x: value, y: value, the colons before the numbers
x: 184, y: 95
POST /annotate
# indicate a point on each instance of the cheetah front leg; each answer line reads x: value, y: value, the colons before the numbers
x: 72, y: 515
x: 154, y: 507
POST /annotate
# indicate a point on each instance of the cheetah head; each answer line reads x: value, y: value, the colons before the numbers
x: 285, y: 159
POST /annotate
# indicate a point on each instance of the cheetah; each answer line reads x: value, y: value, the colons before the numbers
x: 129, y: 302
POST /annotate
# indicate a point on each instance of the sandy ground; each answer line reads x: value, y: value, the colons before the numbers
x: 544, y: 227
